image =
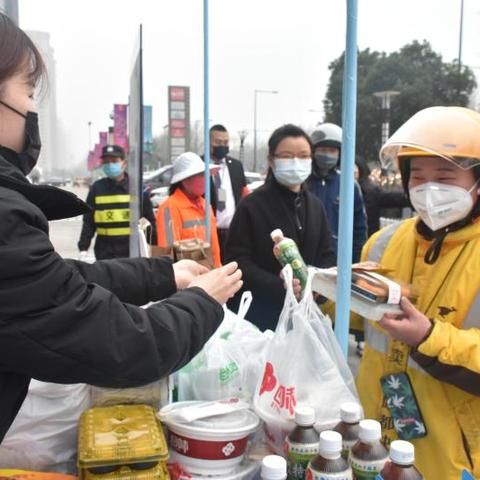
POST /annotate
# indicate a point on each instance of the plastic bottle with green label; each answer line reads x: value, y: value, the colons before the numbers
x: 301, y: 444
x: 401, y: 465
x: 287, y: 253
x: 348, y: 427
x: 274, y: 467
x: 329, y: 463
x: 368, y: 456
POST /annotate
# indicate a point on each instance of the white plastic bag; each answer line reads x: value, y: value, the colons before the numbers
x: 230, y: 363
x: 43, y: 436
x: 304, y: 365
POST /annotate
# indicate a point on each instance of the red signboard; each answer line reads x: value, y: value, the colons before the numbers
x: 177, y: 123
x: 179, y: 120
x: 177, y: 132
x: 177, y: 94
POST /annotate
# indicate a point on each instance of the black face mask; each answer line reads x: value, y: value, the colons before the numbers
x: 28, y: 157
x: 220, y: 151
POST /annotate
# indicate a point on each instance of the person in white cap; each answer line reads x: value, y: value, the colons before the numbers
x: 182, y: 215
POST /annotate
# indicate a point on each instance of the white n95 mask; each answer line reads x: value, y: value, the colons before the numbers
x: 440, y: 205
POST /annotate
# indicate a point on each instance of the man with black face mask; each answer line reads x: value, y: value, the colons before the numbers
x: 228, y: 185
x: 325, y: 184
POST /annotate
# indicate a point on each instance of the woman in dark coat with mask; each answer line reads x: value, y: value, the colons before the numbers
x: 281, y: 203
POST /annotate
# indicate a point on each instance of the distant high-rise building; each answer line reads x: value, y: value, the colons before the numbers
x: 49, y: 161
x: 10, y: 7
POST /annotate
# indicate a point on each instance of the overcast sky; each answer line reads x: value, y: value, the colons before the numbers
x: 255, y: 44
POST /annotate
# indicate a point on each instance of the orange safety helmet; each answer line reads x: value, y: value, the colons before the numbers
x: 452, y: 133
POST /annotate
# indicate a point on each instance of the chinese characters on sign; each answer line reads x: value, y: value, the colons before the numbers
x: 178, y: 120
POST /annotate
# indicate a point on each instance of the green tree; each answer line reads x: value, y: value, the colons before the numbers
x: 416, y: 71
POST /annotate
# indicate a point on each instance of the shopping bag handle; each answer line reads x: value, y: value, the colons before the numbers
x: 287, y: 273
x: 290, y: 303
x: 304, y: 305
x: 245, y: 303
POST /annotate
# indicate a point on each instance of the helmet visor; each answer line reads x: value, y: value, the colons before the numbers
x: 452, y: 133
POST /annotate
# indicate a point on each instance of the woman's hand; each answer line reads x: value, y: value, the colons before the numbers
x: 222, y: 283
x: 185, y: 271
x: 297, y: 287
x: 412, y: 327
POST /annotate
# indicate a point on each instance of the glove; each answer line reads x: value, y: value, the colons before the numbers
x: 82, y: 256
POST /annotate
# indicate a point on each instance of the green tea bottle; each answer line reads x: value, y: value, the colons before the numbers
x: 401, y: 465
x: 368, y: 456
x: 349, y: 426
x: 301, y: 444
x: 286, y: 252
x: 329, y: 463
x: 274, y: 467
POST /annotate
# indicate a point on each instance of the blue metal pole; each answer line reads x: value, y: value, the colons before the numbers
x: 345, y: 234
x: 206, y: 114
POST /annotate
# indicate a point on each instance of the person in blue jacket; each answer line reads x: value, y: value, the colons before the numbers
x: 325, y: 184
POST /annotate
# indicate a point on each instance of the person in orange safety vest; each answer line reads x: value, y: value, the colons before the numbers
x: 182, y: 215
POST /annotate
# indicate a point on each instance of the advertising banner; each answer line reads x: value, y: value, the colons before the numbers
x: 120, y: 135
x: 178, y: 120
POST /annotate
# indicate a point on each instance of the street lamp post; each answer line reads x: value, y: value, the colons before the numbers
x: 243, y: 135
x: 256, y: 92
x: 386, y: 97
x: 460, y: 42
x: 89, y: 134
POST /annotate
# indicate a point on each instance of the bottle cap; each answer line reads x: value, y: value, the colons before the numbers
x: 274, y: 468
x: 350, y: 412
x: 330, y: 442
x: 370, y: 430
x: 276, y: 234
x: 304, y: 416
x: 402, y: 452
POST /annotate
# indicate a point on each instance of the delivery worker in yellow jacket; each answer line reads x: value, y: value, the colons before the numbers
x: 437, y: 340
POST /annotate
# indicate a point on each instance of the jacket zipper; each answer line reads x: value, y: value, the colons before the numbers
x: 298, y: 204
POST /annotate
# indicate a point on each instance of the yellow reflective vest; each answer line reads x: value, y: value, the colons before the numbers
x: 445, y: 369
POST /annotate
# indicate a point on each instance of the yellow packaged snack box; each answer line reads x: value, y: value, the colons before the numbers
x: 121, y: 442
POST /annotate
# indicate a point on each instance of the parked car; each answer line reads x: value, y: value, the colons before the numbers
x: 158, y: 195
x: 55, y: 181
x: 252, y: 177
x: 252, y: 186
x: 254, y: 180
x: 82, y: 181
x: 157, y: 178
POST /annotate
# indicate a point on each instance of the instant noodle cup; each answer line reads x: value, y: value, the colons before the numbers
x: 213, y: 445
